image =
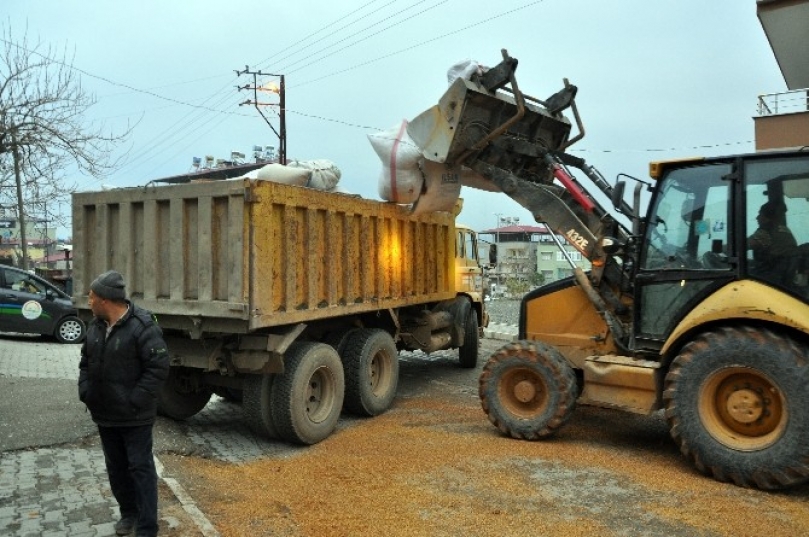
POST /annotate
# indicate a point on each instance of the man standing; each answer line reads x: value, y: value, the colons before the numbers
x: 124, y: 361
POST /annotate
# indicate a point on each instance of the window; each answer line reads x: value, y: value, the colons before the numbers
x: 547, y: 256
x: 689, y: 219
x: 470, y: 249
x: 777, y: 221
x: 574, y: 255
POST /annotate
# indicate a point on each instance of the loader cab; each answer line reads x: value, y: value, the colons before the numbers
x: 701, y: 233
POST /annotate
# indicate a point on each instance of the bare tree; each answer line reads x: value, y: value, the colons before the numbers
x: 44, y: 133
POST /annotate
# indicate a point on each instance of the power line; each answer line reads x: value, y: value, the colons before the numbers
x: 267, y: 60
x: 287, y: 70
x: 420, y: 44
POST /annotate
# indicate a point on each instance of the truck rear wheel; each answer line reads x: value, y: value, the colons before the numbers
x: 371, y: 364
x: 307, y: 398
x: 528, y: 390
x: 738, y: 407
x: 257, y: 404
x: 468, y: 352
x: 182, y: 395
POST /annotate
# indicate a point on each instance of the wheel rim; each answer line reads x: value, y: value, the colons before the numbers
x: 379, y: 373
x: 320, y: 395
x: 70, y: 330
x: 523, y: 392
x: 742, y: 409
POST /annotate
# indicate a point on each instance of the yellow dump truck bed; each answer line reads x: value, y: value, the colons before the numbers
x: 239, y: 255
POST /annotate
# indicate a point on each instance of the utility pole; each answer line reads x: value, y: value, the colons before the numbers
x: 271, y: 88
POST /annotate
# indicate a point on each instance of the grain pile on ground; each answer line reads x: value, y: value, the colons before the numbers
x: 434, y: 466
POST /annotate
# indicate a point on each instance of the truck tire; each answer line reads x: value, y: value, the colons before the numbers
x: 371, y: 365
x: 338, y: 339
x: 257, y: 404
x: 182, y: 395
x: 737, y: 404
x: 468, y: 352
x: 307, y: 398
x: 528, y: 390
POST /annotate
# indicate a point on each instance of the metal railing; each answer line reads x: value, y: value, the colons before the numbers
x: 788, y: 102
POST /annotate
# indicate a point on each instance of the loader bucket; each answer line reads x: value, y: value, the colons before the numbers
x: 468, y: 118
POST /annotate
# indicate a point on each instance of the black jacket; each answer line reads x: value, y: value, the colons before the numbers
x: 120, y: 376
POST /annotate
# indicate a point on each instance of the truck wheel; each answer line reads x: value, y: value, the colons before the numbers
x: 528, y: 390
x: 69, y: 330
x: 371, y: 364
x: 182, y: 395
x: 257, y: 404
x: 468, y: 352
x: 737, y: 404
x: 338, y: 338
x: 307, y: 398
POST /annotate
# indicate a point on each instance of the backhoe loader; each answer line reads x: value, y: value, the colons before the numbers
x: 687, y: 309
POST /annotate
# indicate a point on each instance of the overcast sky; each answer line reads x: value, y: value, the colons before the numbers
x: 657, y: 79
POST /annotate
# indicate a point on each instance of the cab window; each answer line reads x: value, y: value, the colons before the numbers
x: 777, y: 222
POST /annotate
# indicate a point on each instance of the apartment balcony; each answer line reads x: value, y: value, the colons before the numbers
x: 783, y: 120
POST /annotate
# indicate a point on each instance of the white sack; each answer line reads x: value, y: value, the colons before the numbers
x: 324, y: 173
x: 401, y: 179
x: 279, y: 173
x: 464, y: 69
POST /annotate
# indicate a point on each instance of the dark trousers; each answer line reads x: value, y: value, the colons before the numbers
x: 131, y: 469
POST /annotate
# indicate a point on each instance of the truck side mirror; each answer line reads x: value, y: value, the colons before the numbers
x: 492, y: 254
x: 617, y: 197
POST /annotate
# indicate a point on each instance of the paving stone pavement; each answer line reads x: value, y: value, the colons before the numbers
x: 57, y: 490
x: 62, y: 490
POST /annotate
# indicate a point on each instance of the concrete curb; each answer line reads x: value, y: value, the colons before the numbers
x: 203, y: 524
x: 503, y: 332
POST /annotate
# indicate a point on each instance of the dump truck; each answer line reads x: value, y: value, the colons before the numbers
x: 696, y: 307
x: 294, y: 300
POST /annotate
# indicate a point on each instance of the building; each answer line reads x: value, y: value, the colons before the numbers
x: 40, y: 237
x: 783, y: 118
x: 526, y: 254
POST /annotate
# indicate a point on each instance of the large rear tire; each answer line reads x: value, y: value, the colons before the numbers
x: 257, y: 404
x: 371, y: 364
x: 528, y: 390
x: 307, y: 398
x: 182, y: 395
x: 737, y: 404
x: 468, y: 352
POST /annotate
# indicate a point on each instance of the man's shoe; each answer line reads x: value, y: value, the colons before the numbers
x: 125, y: 526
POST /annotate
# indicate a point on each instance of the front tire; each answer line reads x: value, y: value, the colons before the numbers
x: 307, y: 398
x: 738, y: 407
x: 69, y: 330
x: 371, y: 364
x: 528, y: 390
x: 468, y: 352
x: 182, y: 395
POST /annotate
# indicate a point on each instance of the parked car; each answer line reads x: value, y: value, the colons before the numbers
x: 31, y: 305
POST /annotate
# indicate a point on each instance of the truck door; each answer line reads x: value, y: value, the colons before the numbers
x: 468, y: 272
x: 687, y: 250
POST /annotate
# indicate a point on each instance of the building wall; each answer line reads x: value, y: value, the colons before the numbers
x: 781, y: 131
x: 552, y: 264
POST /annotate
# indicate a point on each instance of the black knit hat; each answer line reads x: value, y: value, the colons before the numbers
x: 109, y: 285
